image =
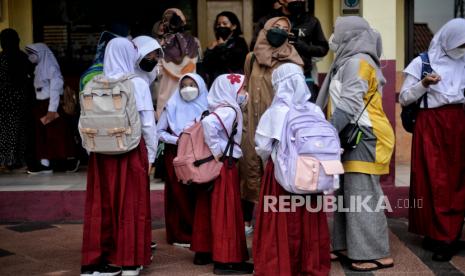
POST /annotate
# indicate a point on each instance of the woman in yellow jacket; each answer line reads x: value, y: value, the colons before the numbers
x: 352, y: 90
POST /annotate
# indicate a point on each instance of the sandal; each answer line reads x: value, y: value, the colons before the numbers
x: 338, y: 255
x: 378, y: 266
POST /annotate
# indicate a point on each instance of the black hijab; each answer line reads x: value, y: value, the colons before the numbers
x: 19, y: 68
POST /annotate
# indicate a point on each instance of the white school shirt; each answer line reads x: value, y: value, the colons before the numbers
x: 163, y: 133
x: 50, y: 89
x: 215, y: 136
x: 412, y: 90
x: 147, y: 116
x: 264, y: 147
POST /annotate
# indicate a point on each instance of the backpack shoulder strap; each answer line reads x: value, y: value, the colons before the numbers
x: 228, y: 151
x: 234, y: 128
x: 425, y: 65
x: 425, y: 70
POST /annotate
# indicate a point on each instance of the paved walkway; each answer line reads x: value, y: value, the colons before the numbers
x: 18, y: 180
x: 42, y: 249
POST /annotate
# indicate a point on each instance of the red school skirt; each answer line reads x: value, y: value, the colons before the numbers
x: 54, y: 141
x: 289, y: 243
x: 437, y: 182
x: 117, y: 222
x: 179, y: 203
x: 218, y: 221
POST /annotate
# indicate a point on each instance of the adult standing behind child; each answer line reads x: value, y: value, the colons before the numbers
x: 16, y: 99
x: 181, y: 53
x: 227, y: 53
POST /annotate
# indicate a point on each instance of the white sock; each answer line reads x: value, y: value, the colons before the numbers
x: 45, y: 162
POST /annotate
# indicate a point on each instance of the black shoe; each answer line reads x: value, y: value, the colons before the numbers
x: 153, y: 245
x: 233, y: 269
x: 40, y: 169
x: 444, y: 252
x: 101, y: 270
x: 201, y: 258
x: 429, y: 244
x: 88, y: 270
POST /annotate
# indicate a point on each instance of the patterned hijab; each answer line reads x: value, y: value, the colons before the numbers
x: 180, y: 44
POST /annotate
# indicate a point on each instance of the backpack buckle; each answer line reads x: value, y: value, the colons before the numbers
x: 90, y: 135
x: 118, y: 133
x: 117, y: 102
x: 88, y: 103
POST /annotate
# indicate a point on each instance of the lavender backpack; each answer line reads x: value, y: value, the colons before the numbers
x: 308, y: 157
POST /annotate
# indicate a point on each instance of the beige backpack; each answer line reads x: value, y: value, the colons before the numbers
x: 109, y: 121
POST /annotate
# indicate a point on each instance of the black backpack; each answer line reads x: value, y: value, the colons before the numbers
x: 409, y: 112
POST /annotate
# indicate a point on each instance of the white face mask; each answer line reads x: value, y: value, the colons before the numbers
x: 332, y: 45
x: 33, y: 58
x: 189, y: 93
x: 242, y: 99
x: 456, y: 53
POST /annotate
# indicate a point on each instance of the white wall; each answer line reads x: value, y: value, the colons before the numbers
x: 434, y: 12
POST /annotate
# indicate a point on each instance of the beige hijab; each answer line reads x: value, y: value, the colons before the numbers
x: 178, y: 12
x: 268, y: 55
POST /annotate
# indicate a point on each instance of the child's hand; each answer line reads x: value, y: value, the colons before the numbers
x: 50, y: 117
x: 150, y: 169
x: 430, y: 79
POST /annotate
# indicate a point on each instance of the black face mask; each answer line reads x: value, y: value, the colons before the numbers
x: 223, y: 32
x: 147, y: 65
x: 175, y: 24
x: 296, y: 7
x: 276, y: 37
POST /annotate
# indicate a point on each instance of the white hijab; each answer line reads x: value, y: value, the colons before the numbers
x: 179, y: 112
x: 223, y: 92
x: 47, y: 67
x: 120, y: 58
x: 290, y: 89
x: 452, y: 71
x: 145, y: 44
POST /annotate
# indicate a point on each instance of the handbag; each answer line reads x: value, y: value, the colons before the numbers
x: 409, y: 113
x: 351, y: 134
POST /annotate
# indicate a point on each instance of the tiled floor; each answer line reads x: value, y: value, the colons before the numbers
x: 55, y: 250
x: 18, y: 180
x: 42, y: 249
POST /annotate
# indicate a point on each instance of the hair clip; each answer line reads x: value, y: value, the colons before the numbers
x: 234, y: 78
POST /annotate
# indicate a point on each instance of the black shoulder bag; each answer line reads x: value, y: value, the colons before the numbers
x: 351, y: 134
x: 409, y: 113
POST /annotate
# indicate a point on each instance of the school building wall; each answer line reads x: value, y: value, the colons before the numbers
x: 17, y: 14
x: 385, y: 16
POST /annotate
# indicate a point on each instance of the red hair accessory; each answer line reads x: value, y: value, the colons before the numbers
x: 234, y: 78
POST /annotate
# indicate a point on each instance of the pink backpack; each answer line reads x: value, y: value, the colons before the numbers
x: 195, y: 162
